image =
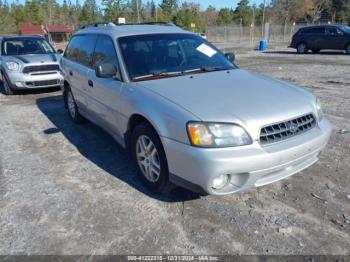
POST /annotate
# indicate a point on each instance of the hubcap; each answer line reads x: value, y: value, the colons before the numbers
x: 71, y: 105
x: 148, y: 158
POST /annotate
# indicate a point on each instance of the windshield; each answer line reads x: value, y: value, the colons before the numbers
x: 345, y: 28
x: 165, y: 55
x: 24, y: 46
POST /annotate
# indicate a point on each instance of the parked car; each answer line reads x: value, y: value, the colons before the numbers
x: 28, y: 62
x: 187, y: 114
x: 319, y: 37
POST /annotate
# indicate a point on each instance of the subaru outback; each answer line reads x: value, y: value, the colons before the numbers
x: 186, y: 113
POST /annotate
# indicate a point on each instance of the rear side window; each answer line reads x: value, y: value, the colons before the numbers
x: 331, y: 31
x: 104, y: 51
x: 316, y: 30
x: 80, y: 49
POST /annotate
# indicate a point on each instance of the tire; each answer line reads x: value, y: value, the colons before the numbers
x: 302, y: 48
x: 315, y: 51
x: 7, y: 88
x: 347, y: 49
x: 72, y: 107
x: 150, y: 159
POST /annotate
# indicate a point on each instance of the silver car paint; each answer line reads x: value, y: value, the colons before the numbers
x: 31, y: 60
x: 236, y: 96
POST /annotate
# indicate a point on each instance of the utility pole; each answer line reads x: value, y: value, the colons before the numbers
x: 263, y: 21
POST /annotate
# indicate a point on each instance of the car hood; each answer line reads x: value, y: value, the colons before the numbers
x: 236, y: 96
x: 36, y: 58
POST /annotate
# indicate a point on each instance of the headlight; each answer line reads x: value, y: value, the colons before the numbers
x: 319, y: 110
x: 13, y: 66
x: 203, y: 134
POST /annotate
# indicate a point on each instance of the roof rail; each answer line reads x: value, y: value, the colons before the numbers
x: 97, y: 24
x: 149, y: 23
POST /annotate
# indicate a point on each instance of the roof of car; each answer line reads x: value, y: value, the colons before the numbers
x: 130, y: 29
x: 321, y: 25
x: 21, y: 36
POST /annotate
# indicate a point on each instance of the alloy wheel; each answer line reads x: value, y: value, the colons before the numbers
x: 148, y: 158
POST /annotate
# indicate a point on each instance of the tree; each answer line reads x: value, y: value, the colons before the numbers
x: 211, y: 15
x: 168, y: 7
x: 225, y: 16
x: 90, y: 13
x: 242, y: 13
x: 112, y: 9
x: 188, y: 14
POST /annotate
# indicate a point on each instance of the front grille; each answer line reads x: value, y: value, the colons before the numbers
x: 284, y: 130
x: 43, y: 83
x: 40, y: 68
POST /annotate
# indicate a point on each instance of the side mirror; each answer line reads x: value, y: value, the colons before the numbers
x: 106, y: 70
x: 230, y: 57
x: 59, y: 51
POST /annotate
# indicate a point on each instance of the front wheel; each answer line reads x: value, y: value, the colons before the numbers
x: 150, y: 158
x: 7, y: 88
x: 302, y: 48
x: 347, y: 49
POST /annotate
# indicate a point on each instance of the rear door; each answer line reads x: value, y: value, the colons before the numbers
x: 105, y: 92
x: 335, y: 38
x: 316, y: 38
x: 78, y: 59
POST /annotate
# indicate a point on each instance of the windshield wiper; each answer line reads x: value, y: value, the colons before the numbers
x: 206, y: 69
x: 157, y: 75
x: 202, y: 69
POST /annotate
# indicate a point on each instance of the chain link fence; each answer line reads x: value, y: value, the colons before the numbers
x: 238, y: 36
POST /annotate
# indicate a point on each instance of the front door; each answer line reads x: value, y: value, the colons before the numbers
x: 105, y: 92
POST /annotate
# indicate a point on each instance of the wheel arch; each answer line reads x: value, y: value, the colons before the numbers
x: 133, y: 121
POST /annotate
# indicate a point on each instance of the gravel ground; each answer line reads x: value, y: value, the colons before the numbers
x: 70, y: 189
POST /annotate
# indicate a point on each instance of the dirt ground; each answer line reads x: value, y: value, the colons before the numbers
x: 70, y: 189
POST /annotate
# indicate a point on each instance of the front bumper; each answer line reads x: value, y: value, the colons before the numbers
x: 248, y: 166
x: 31, y: 81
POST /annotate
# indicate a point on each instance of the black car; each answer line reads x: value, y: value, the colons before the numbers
x: 316, y: 38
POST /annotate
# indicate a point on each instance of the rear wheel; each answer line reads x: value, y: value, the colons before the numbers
x: 73, y: 108
x: 347, y: 49
x: 150, y: 158
x: 301, y: 48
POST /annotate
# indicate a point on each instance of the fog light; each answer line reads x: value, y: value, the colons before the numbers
x: 220, y: 181
x: 20, y: 84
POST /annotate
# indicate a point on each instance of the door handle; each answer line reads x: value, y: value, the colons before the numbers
x: 91, y: 83
x: 71, y: 72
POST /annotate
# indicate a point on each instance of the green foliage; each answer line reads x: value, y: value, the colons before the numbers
x: 168, y: 8
x: 112, y: 9
x: 225, y: 16
x: 90, y: 13
x: 243, y: 13
x: 65, y: 12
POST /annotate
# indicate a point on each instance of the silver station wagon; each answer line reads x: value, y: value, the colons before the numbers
x: 28, y: 62
x: 186, y: 114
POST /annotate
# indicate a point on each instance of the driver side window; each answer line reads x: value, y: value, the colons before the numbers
x: 104, y: 52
